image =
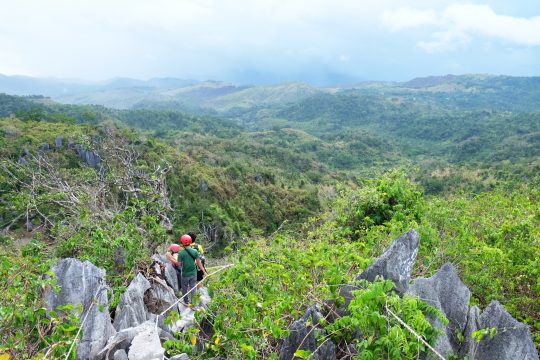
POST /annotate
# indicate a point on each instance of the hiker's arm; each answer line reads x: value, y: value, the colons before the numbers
x: 172, y: 259
x: 200, y: 265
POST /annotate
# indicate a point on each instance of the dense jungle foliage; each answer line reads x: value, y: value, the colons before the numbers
x: 300, y: 196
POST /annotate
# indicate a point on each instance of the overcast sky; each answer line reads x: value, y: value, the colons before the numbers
x: 268, y: 41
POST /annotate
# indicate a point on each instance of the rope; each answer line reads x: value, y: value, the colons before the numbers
x: 192, y: 289
x: 413, y: 332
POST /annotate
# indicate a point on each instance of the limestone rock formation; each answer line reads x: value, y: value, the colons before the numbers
x: 160, y: 297
x: 120, y: 355
x: 83, y: 283
x: 444, y: 291
x: 512, y: 339
x: 396, y: 264
x: 447, y: 293
x: 170, y: 272
x: 131, y: 310
x: 303, y: 337
x: 146, y: 344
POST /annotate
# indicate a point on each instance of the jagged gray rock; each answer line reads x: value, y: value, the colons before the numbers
x: 90, y: 158
x: 146, y: 344
x: 170, y: 272
x: 131, y: 310
x: 395, y: 263
x: 120, y: 341
x: 303, y: 337
x: 444, y: 291
x: 512, y: 340
x: 160, y: 297
x: 447, y: 293
x: 120, y: 355
x: 83, y: 283
x: 470, y: 346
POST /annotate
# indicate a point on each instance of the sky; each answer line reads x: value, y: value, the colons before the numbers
x: 268, y: 41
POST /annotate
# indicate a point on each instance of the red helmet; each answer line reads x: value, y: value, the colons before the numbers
x: 174, y: 248
x: 185, y: 240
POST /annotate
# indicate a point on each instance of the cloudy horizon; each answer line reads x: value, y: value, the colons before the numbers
x: 320, y: 42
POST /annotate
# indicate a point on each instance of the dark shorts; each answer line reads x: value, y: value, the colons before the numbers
x: 200, y: 274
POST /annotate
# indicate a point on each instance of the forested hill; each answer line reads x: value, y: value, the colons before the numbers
x: 300, y: 188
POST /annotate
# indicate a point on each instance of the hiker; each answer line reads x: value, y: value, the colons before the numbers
x: 189, y: 259
x: 172, y: 256
x: 199, y: 248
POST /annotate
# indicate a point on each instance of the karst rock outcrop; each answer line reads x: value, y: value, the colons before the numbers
x: 444, y: 291
x: 138, y: 328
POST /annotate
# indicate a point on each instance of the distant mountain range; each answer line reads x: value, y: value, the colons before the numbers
x: 454, y: 91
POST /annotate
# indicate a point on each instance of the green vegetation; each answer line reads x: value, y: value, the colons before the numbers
x: 275, y: 280
x: 301, y: 194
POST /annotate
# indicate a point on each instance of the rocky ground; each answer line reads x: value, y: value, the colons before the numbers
x: 138, y: 328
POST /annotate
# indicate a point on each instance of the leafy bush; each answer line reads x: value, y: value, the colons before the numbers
x: 373, y: 313
x: 27, y: 330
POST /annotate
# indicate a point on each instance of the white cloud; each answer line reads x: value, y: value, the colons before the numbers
x: 454, y: 26
x: 98, y: 39
x: 406, y: 17
x: 103, y: 38
x: 443, y: 41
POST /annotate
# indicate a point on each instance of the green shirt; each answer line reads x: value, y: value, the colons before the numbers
x: 188, y: 263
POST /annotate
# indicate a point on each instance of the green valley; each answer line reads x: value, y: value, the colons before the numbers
x: 301, y: 188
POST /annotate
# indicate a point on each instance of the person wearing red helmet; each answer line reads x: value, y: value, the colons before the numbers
x: 189, y: 260
x: 172, y: 256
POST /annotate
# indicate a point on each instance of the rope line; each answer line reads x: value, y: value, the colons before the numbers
x: 413, y: 332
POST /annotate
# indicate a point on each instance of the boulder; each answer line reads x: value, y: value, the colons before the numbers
x: 187, y: 317
x: 84, y: 284
x: 512, y: 339
x: 304, y: 337
x: 146, y: 344
x: 395, y: 263
x: 131, y: 310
